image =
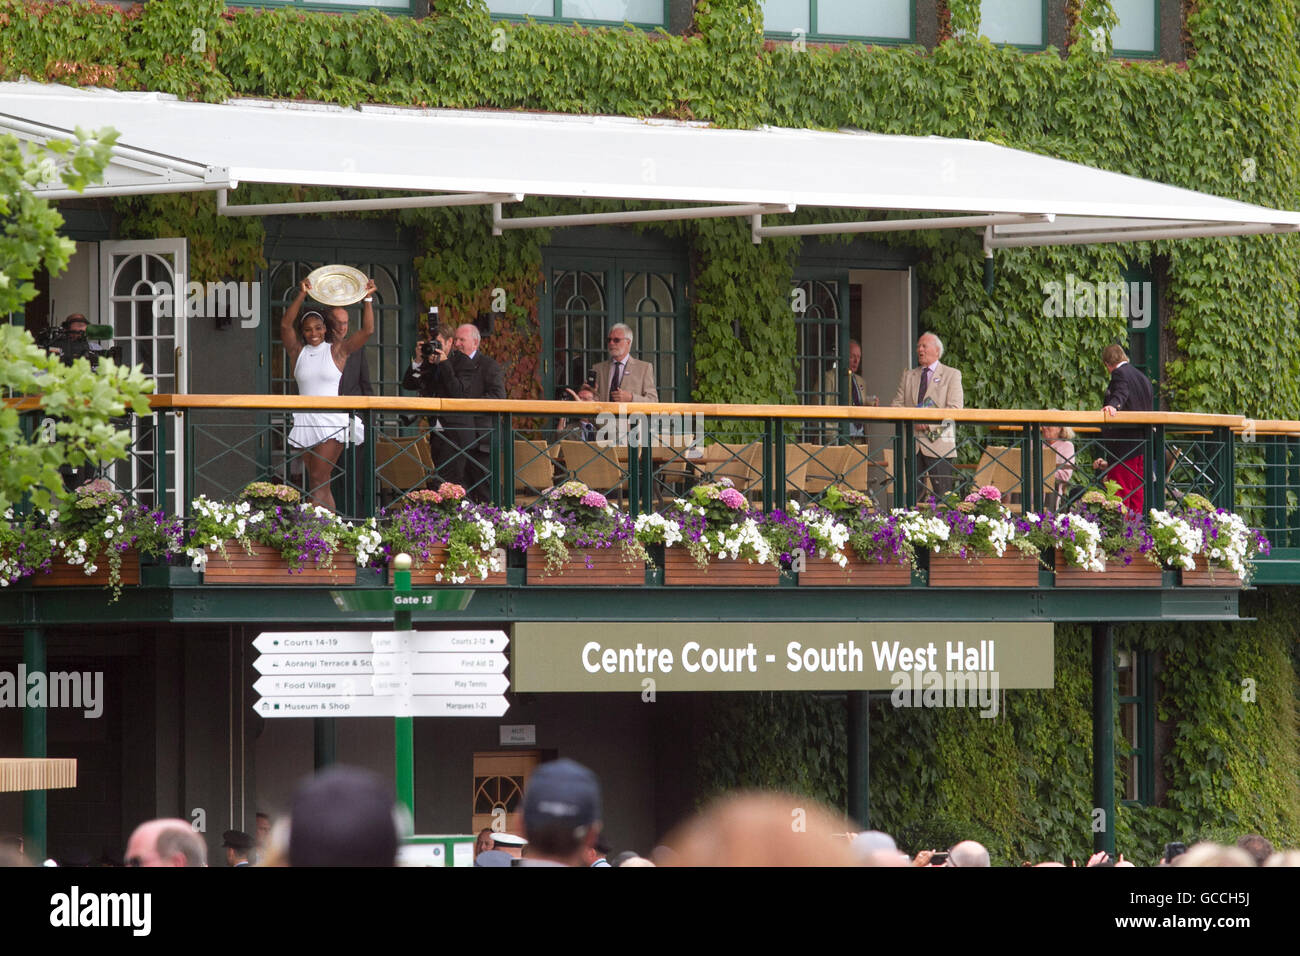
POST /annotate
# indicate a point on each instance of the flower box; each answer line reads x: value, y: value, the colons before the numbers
x: 64, y: 575
x: 266, y: 566
x: 1014, y: 569
x: 1205, y: 577
x: 680, y: 570
x: 608, y: 568
x: 427, y: 576
x: 1141, y: 573
x: 823, y: 572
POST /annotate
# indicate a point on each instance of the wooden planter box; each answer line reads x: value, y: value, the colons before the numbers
x: 823, y: 572
x: 426, y: 577
x: 1203, y: 577
x: 680, y: 570
x: 1140, y: 574
x: 608, y: 569
x: 265, y: 566
x: 64, y: 575
x: 1013, y: 570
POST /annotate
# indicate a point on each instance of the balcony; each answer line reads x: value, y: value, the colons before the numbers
x: 644, y: 456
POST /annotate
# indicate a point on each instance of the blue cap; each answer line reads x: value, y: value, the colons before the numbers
x: 561, y: 795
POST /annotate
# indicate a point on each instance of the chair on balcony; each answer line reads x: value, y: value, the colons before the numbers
x: 797, y: 456
x: 743, y: 464
x: 401, y: 465
x: 594, y: 465
x: 534, y: 470
x: 841, y: 465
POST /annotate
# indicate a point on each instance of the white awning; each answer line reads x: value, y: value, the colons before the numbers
x: 491, y: 157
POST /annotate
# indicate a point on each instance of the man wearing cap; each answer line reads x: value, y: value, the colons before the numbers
x: 239, y: 845
x: 562, y: 814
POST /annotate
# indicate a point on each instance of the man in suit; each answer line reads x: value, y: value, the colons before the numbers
x: 1129, y: 391
x: 858, y: 396
x: 476, y: 376
x: 355, y: 381
x: 932, y: 385
x: 623, y: 378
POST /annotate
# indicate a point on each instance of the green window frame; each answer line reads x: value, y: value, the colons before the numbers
x: 557, y: 15
x: 1135, y: 685
x: 586, y: 291
x: 406, y: 9
x: 1042, y: 24
x: 1143, y: 335
x: 1136, y: 53
x: 817, y: 34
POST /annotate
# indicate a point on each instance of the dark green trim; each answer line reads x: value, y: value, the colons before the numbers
x: 35, y: 744
x: 1103, y: 738
x: 858, y: 727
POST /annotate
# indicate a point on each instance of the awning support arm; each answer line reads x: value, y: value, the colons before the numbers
x: 761, y: 231
x: 358, y: 205
x: 637, y: 215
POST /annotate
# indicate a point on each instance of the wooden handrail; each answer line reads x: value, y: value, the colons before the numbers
x: 883, y: 413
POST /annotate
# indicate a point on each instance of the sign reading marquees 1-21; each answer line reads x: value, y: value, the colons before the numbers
x: 381, y: 673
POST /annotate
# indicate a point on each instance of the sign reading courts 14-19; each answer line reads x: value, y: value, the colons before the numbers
x: 381, y: 673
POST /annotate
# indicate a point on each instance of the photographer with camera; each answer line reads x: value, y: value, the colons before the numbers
x: 581, y: 428
x: 69, y: 342
x: 449, y: 364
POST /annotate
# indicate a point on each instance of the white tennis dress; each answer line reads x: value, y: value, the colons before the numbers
x: 317, y: 375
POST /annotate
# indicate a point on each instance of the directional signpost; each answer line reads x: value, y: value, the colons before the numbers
x: 399, y: 673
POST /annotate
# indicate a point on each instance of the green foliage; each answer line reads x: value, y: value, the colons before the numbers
x: 80, y: 402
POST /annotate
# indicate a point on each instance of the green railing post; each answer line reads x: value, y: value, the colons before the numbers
x: 770, y: 456
x: 1155, y: 497
x: 1228, y: 496
x: 1031, y: 469
x: 34, y: 745
x: 647, y: 467
x: 507, y: 476
x: 369, y: 496
x: 905, y: 464
x: 496, y: 451
x: 633, y: 471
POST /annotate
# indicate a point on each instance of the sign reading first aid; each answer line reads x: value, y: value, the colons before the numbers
x: 567, y: 657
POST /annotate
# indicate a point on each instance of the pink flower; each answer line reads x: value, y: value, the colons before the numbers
x: 732, y: 498
x: 990, y: 492
x: 594, y: 499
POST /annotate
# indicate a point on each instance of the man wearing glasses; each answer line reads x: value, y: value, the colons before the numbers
x: 623, y: 378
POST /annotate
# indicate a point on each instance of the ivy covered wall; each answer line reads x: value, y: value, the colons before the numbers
x: 1223, y: 122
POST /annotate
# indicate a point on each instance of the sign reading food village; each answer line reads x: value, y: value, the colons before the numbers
x: 903, y: 657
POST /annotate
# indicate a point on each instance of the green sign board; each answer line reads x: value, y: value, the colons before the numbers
x: 439, y: 599
x: 677, y: 656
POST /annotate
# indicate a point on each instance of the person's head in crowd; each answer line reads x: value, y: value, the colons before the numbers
x: 1258, y: 847
x: 619, y: 341
x: 166, y: 842
x: 1284, y: 858
x: 494, y: 858
x: 467, y: 339
x: 511, y: 844
x: 238, y: 846
x: 343, y: 816
x: 1058, y: 433
x: 968, y: 853
x: 929, y: 349
x: 586, y: 392
x: 596, y: 853
x: 337, y: 318
x: 1211, y: 854
x: 875, y: 848
x: 1112, y: 356
x: 855, y: 356
x: 75, y: 325
x: 262, y: 830
x: 761, y: 829
x: 562, y: 813
x: 483, y: 842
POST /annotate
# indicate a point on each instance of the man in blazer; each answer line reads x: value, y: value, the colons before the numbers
x: 858, y: 396
x: 1129, y: 391
x: 623, y: 378
x: 932, y: 384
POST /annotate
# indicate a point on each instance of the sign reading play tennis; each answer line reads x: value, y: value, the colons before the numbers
x: 566, y: 657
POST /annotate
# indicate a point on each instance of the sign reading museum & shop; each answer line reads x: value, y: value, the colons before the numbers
x: 907, y: 656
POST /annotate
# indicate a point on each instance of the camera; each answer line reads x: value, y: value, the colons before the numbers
x: 69, y: 348
x: 429, y: 349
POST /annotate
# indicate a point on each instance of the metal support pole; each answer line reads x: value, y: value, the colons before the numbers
x: 859, y: 734
x: 324, y: 742
x: 404, y: 727
x: 1103, y: 738
x: 34, y: 745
